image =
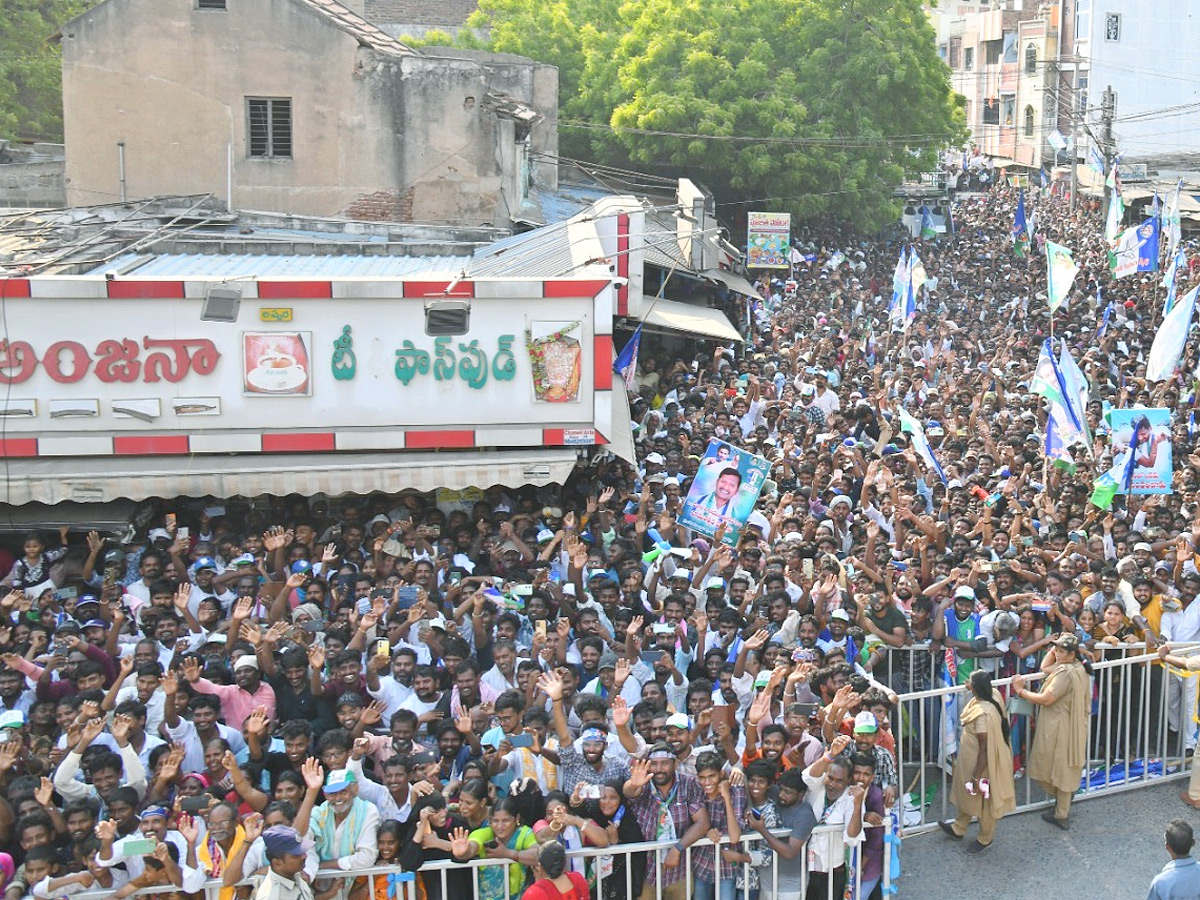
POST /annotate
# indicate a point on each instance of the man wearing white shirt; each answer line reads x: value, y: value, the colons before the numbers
x: 1179, y: 626
x: 827, y: 780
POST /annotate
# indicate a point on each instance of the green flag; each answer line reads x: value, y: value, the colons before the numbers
x: 1060, y: 273
x: 1104, y: 489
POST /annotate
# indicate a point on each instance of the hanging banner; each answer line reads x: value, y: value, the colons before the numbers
x: 1141, y: 440
x: 768, y: 240
x: 725, y: 490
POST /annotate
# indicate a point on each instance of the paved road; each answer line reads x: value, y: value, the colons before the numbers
x: 1113, y: 849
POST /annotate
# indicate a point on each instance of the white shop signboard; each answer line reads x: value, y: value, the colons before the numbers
x: 74, y: 358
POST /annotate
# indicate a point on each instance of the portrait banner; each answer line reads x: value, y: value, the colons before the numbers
x: 1141, y: 442
x: 725, y: 489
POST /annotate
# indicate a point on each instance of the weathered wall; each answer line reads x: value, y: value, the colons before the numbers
x: 460, y: 159
x: 170, y: 81
x: 38, y: 184
x: 375, y: 135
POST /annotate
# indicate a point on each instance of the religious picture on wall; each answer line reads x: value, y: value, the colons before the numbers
x: 555, y: 360
x: 276, y: 363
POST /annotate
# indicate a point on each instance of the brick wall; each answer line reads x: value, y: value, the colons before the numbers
x: 382, y: 206
x: 451, y: 13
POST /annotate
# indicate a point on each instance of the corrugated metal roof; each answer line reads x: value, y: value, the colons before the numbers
x: 568, y: 248
x: 181, y: 265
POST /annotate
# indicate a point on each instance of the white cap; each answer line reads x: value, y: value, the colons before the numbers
x: 714, y: 583
x: 244, y: 661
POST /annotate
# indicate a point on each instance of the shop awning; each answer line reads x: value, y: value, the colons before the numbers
x: 697, y: 321
x: 731, y: 280
x: 101, y: 479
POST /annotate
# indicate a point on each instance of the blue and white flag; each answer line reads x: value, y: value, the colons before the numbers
x: 928, y: 230
x: 1095, y: 160
x: 901, y: 283
x: 1076, y: 392
x: 1065, y: 425
x: 1108, y: 309
x: 1170, y: 220
x: 626, y: 362
x: 1172, y: 336
x: 920, y: 442
x: 1177, y: 263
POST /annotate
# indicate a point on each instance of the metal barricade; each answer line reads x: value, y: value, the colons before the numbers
x: 854, y: 869
x: 1140, y: 726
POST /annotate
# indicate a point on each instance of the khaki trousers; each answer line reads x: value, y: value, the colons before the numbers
x: 987, y: 824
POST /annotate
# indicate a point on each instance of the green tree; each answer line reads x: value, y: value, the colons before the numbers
x: 31, y: 67
x: 819, y: 105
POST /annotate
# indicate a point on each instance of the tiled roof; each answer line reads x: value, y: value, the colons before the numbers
x: 452, y: 13
x: 367, y: 34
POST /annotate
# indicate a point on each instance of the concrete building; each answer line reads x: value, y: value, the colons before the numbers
x: 299, y: 106
x: 1146, y: 53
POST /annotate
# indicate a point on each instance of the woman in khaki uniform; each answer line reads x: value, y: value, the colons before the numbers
x: 1060, y: 743
x: 983, y: 773
x: 1190, y: 663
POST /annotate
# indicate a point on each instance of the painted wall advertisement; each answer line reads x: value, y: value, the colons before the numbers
x: 768, y: 240
x: 1141, y: 442
x: 726, y: 488
x: 75, y: 364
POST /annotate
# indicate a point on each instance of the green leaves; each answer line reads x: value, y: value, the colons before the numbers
x: 822, y: 105
x: 31, y: 68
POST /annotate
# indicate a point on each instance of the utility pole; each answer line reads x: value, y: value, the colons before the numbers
x: 1107, y: 107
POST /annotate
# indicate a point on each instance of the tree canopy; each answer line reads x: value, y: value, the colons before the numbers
x: 31, y: 67
x: 812, y: 106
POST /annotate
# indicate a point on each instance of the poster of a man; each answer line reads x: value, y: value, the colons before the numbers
x: 725, y: 490
x: 1141, y: 444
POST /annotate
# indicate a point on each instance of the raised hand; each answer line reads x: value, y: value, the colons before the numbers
x: 550, y: 684
x: 120, y: 729
x: 839, y: 745
x: 639, y: 774
x: 188, y: 829
x: 460, y: 843
x: 106, y: 830
x: 314, y: 774
x: 192, y: 669
x: 182, y: 595
x: 170, y: 683
x: 316, y: 658
x: 90, y: 731
x: 44, y: 792
x: 256, y: 723
x: 241, y: 609
x: 622, y: 673
x: 250, y: 634
x: 372, y: 713
x: 252, y: 825
x: 620, y: 712
x: 95, y: 542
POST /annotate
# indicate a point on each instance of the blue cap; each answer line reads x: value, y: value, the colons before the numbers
x: 204, y: 562
x: 593, y: 735
x: 156, y: 811
x: 283, y: 840
x: 300, y: 565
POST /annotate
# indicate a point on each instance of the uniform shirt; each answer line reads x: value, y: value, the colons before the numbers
x: 1178, y: 880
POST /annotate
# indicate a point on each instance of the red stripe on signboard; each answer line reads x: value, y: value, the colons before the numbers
x: 438, y: 440
x: 19, y: 447
x: 145, y: 290
x: 553, y: 437
x: 555, y: 289
x: 294, y: 290
x: 427, y: 289
x: 14, y: 287
x: 603, y: 348
x: 151, y: 445
x: 297, y: 442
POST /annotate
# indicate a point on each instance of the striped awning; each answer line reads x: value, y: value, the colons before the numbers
x: 101, y: 479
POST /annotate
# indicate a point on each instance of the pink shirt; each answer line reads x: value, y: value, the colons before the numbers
x: 236, y: 704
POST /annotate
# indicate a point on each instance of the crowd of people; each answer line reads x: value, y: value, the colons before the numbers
x: 304, y: 688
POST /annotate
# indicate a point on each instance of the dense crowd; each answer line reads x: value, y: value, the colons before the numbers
x: 302, y: 688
